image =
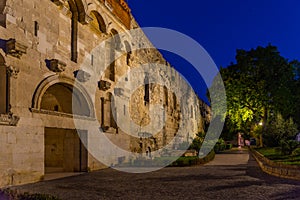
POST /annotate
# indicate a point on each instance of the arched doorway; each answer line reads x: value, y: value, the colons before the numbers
x: 62, y: 99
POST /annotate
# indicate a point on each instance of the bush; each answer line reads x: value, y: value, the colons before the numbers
x: 288, y: 146
x: 186, y: 161
x: 280, y: 131
x: 296, y: 152
x: 228, y: 146
x: 220, y: 146
x: 197, y: 142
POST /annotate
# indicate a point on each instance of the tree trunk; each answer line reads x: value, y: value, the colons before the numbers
x: 264, y: 129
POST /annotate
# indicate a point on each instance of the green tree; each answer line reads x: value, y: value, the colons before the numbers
x: 296, y: 91
x: 260, y: 83
x: 280, y: 131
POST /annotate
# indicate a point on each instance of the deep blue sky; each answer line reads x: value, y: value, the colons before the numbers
x: 222, y: 26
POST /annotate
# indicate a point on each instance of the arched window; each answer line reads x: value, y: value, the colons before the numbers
x: 78, y: 15
x: 115, y: 44
x: 98, y: 22
x: 116, y: 40
x: 4, y: 87
x: 110, y: 71
x: 128, y: 52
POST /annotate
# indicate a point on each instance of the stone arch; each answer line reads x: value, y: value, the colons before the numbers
x: 60, y: 94
x: 99, y: 21
x: 78, y: 9
x: 114, y: 44
x: 4, y: 87
x: 117, y: 45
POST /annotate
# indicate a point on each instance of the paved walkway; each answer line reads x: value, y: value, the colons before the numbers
x: 232, y: 175
x: 234, y: 157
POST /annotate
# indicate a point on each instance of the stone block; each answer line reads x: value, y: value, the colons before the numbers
x: 11, y: 138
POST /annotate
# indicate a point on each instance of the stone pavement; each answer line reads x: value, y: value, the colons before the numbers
x: 232, y: 175
x: 234, y: 157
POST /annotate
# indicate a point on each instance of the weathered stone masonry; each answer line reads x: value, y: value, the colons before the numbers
x: 42, y: 46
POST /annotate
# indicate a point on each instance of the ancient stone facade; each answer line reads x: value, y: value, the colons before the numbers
x: 43, y: 44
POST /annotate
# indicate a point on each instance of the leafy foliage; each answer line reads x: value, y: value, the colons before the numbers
x: 259, y: 84
x: 288, y: 146
x: 280, y: 131
x: 197, y: 142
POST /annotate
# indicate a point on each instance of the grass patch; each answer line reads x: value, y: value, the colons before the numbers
x: 275, y: 155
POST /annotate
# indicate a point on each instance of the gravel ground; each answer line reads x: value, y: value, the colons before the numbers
x: 232, y: 175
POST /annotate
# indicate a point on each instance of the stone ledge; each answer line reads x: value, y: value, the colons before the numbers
x: 15, y: 48
x: 61, y: 114
x: 276, y: 169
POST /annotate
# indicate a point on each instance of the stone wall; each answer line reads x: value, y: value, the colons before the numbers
x: 43, y: 44
x: 276, y: 169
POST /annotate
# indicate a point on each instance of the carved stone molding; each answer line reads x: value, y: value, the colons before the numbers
x: 15, y: 48
x: 82, y: 76
x: 13, y: 71
x: 9, y: 119
x: 104, y: 85
x: 56, y: 65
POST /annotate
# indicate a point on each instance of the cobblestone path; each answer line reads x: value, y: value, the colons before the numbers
x: 232, y: 175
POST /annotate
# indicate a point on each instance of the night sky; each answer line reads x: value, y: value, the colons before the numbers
x: 222, y: 26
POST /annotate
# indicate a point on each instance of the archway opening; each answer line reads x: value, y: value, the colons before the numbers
x: 64, y: 98
x: 64, y: 150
